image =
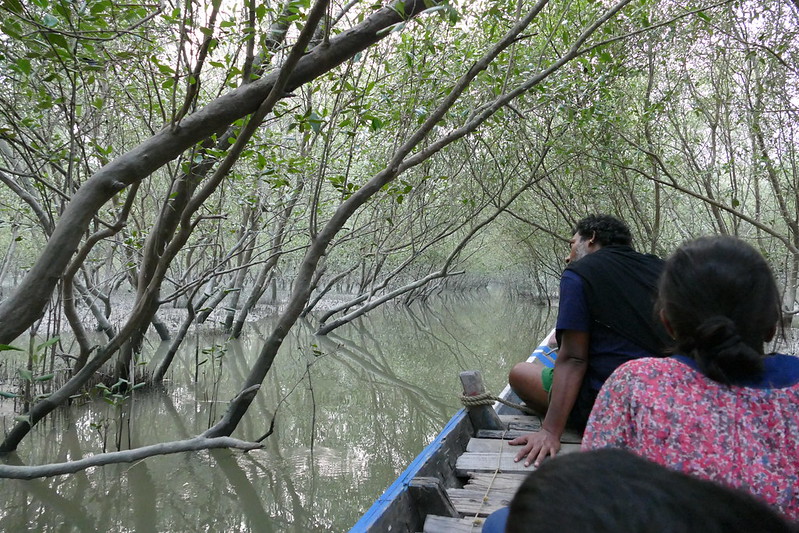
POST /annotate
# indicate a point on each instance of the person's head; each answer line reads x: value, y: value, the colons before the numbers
x: 595, y: 231
x: 614, y: 491
x: 718, y: 299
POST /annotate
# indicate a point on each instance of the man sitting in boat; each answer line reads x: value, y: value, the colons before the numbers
x: 605, y: 318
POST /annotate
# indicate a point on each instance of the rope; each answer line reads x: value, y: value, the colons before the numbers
x: 476, y: 520
x: 487, y: 398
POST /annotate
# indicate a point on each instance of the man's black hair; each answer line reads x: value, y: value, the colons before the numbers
x: 607, y: 230
x: 614, y: 491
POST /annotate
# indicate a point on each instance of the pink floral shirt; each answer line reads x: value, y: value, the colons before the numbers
x: 666, y: 411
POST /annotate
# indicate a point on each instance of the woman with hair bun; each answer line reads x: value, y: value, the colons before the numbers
x: 719, y: 408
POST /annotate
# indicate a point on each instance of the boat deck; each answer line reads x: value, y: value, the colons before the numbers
x: 466, y: 473
x: 490, y: 476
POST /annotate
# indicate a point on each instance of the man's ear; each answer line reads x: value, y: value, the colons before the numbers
x: 666, y: 323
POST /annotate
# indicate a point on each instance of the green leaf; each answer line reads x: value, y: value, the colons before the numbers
x: 7, y: 347
x: 5, y: 394
x: 453, y: 16
x: 99, y: 7
x: 390, y: 29
x: 59, y: 7
x: 15, y: 6
x: 46, y: 344
x: 702, y: 15
x: 25, y: 374
x: 433, y: 9
x: 23, y: 65
x: 12, y: 29
x: 56, y: 39
x: 46, y: 377
x: 315, y: 121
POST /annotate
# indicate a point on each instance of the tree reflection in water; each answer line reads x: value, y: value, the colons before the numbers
x: 353, y: 409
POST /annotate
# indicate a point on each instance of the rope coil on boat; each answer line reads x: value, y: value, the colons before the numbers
x: 487, y: 398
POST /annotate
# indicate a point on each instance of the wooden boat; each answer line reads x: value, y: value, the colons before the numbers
x: 465, y: 474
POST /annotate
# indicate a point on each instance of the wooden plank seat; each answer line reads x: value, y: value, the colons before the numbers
x: 446, y: 524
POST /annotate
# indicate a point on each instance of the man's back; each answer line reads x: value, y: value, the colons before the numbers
x: 620, y: 287
x: 610, y: 295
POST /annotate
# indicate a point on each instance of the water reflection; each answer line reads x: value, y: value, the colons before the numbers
x: 352, y: 410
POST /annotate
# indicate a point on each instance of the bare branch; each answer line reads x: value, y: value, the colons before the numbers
x: 126, y: 456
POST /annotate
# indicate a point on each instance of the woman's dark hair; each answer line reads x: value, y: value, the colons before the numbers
x: 722, y: 303
x: 606, y: 229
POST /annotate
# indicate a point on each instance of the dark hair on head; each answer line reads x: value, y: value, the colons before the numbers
x: 722, y: 303
x: 612, y: 491
x: 606, y: 229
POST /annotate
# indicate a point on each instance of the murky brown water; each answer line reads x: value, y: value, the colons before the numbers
x: 348, y: 421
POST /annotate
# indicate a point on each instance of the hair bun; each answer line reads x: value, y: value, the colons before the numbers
x: 721, y: 352
x: 716, y: 333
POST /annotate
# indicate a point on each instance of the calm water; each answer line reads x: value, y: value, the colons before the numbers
x: 353, y: 409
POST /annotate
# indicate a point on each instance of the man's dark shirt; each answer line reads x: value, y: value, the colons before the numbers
x: 610, y: 294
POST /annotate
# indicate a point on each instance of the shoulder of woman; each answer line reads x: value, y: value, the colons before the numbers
x: 646, y: 372
x: 648, y: 365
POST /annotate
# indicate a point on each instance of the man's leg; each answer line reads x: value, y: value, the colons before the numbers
x: 525, y: 380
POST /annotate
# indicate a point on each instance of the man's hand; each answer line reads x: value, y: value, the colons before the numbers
x: 537, y: 446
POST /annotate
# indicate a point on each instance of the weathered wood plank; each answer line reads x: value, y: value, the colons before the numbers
x: 479, y: 445
x: 490, y: 481
x: 445, y: 524
x: 489, y: 462
x: 569, y: 436
x: 520, y: 424
x: 477, y: 502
